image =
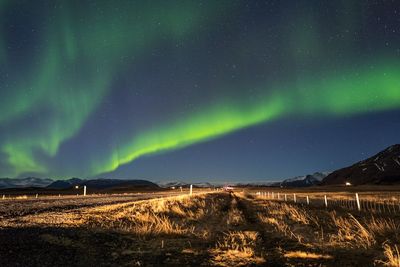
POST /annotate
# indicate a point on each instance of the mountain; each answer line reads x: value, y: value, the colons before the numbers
x: 178, y: 184
x: 24, y: 182
x: 172, y: 184
x: 65, y: 184
x: 304, y: 181
x: 101, y: 183
x: 111, y: 183
x: 382, y: 168
x: 257, y: 184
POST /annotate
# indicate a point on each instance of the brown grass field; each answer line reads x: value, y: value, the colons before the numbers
x: 243, y: 228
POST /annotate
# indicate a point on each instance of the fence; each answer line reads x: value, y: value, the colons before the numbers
x: 352, y: 202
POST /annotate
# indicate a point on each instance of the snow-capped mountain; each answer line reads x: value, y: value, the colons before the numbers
x: 305, y: 180
x: 177, y: 184
x: 382, y: 168
x: 24, y: 182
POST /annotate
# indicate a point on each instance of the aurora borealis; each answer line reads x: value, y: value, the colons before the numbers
x: 217, y: 89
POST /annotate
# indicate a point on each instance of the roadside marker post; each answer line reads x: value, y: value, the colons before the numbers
x: 36, y: 196
x: 273, y: 196
x: 308, y: 201
x: 278, y: 196
x: 268, y: 194
x: 84, y: 190
x: 358, y: 202
x: 285, y: 197
x: 326, y: 202
x: 294, y: 198
x: 191, y: 189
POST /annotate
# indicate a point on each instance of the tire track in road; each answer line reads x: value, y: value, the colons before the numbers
x: 269, y: 239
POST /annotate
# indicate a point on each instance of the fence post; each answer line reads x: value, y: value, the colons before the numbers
x: 294, y: 198
x: 358, y: 202
x: 273, y: 196
x: 326, y: 202
x: 84, y: 190
x: 191, y: 190
x: 285, y: 197
x: 308, y: 201
x: 278, y: 195
x: 4, y: 196
x: 268, y: 194
x: 36, y: 196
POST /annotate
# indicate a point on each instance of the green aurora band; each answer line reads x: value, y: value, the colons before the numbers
x: 78, y: 53
x: 74, y: 69
x: 359, y: 92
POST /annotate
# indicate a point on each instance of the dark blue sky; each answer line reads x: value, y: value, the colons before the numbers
x: 210, y: 90
x: 274, y: 151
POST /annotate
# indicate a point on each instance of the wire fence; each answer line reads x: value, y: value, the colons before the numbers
x: 366, y: 203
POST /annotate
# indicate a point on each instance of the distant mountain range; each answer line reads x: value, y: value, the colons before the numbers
x: 306, y: 180
x: 24, y: 182
x: 6, y: 183
x: 178, y: 184
x: 298, y: 181
x: 382, y: 168
x: 101, y: 183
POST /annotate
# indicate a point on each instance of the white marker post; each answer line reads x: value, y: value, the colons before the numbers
x: 294, y: 198
x: 191, y: 189
x: 326, y: 201
x: 84, y: 190
x: 273, y: 196
x: 285, y: 197
x: 36, y: 196
x: 278, y: 196
x: 308, y: 201
x: 358, y: 202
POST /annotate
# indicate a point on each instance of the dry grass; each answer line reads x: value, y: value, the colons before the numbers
x: 383, y: 227
x: 236, y: 249
x: 350, y: 232
x: 170, y: 216
x: 223, y: 230
x: 392, y: 256
x: 306, y: 255
x: 334, y: 230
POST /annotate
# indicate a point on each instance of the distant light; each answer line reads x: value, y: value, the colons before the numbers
x: 76, y: 186
x: 348, y: 184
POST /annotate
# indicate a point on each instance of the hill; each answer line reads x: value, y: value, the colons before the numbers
x: 382, y: 168
x: 304, y: 181
x: 102, y: 184
x: 24, y: 182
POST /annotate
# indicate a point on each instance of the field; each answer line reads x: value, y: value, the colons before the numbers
x: 249, y: 227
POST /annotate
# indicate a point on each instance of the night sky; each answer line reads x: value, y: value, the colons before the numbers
x: 188, y: 90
